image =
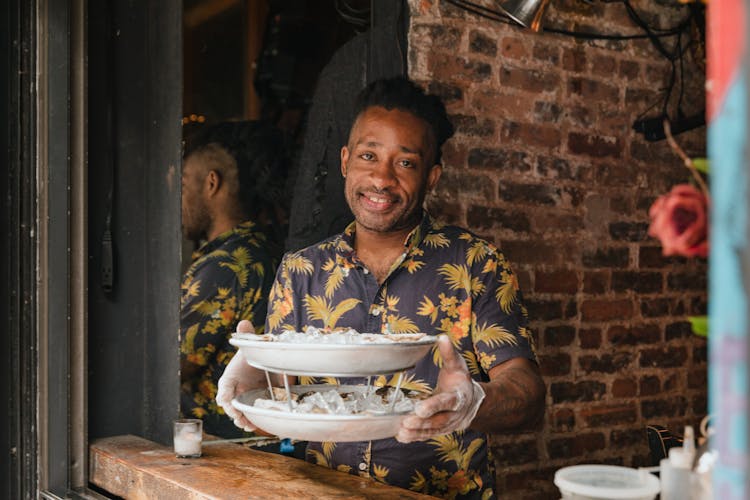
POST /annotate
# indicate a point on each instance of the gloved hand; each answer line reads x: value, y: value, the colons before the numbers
x: 452, y: 407
x: 238, y: 377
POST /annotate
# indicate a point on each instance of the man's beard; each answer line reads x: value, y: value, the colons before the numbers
x: 196, y: 227
x: 403, y: 217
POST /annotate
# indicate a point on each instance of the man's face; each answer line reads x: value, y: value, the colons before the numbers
x: 196, y: 219
x: 389, y: 167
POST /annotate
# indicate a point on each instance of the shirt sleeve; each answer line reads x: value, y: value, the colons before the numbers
x: 500, y: 324
x: 214, y: 300
x: 209, y: 303
x: 282, y: 309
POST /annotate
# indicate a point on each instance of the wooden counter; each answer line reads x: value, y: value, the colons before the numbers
x: 135, y: 468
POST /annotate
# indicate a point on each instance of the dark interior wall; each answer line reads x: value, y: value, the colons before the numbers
x: 213, y: 65
x: 134, y: 150
x: 318, y: 207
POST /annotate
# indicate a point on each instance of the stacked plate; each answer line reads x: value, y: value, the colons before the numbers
x: 364, y: 355
x: 370, y: 354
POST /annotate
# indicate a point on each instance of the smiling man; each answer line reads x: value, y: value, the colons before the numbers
x: 395, y: 269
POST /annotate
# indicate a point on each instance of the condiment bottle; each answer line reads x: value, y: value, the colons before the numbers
x: 676, y: 470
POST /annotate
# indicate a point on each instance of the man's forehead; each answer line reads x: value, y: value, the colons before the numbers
x: 371, y: 142
x: 372, y: 110
x: 375, y: 112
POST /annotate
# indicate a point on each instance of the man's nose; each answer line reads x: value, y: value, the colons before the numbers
x: 383, y: 174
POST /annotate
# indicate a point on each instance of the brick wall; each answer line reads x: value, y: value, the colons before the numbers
x: 546, y: 165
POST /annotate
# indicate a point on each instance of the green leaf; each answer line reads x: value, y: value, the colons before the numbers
x: 701, y: 164
x: 699, y: 324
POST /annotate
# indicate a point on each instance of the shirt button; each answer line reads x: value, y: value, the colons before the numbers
x: 363, y: 466
x: 375, y: 311
x: 366, y: 271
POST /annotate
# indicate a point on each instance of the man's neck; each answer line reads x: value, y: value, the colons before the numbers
x: 221, y: 225
x: 378, y: 251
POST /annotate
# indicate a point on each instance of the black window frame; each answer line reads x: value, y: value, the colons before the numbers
x: 56, y: 95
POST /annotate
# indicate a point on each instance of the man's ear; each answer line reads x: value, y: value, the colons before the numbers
x: 433, y: 176
x: 213, y: 181
x: 344, y: 160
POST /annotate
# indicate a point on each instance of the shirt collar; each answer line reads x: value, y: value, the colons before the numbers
x: 412, y: 240
x: 209, y: 246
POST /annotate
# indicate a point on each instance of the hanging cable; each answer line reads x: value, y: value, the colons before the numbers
x: 352, y: 15
x: 659, y: 38
x: 651, y: 33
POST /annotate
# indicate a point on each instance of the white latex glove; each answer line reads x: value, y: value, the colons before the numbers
x: 238, y: 377
x: 452, y: 407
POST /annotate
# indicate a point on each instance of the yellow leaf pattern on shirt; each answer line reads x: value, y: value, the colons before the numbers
x: 380, y: 473
x: 494, y: 335
x: 239, y: 262
x: 319, y: 309
x: 298, y: 264
x: 506, y: 292
x: 436, y: 240
x: 335, y: 277
x: 427, y: 308
x: 399, y: 324
x: 409, y: 383
x: 471, y: 362
x: 228, y: 280
x: 478, y: 250
x: 188, y: 339
x: 447, y: 281
x: 456, y: 276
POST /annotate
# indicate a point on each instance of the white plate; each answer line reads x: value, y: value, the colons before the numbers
x: 334, y: 360
x: 315, y: 426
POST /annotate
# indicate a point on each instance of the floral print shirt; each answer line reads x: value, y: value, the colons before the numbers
x: 447, y: 281
x: 227, y: 281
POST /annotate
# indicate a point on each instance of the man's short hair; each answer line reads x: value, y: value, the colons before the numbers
x: 258, y: 150
x: 404, y: 95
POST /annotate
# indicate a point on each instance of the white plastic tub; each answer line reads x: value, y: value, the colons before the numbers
x: 605, y: 482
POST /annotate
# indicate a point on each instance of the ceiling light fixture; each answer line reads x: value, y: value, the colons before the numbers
x: 527, y: 13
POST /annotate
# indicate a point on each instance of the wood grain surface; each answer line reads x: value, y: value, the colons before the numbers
x: 134, y: 468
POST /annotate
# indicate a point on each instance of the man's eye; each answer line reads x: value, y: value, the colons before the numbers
x: 367, y: 156
x: 406, y: 163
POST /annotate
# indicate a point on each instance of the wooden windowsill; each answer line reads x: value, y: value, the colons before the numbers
x: 135, y: 468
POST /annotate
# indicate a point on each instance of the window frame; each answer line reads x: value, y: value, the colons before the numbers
x: 49, y: 244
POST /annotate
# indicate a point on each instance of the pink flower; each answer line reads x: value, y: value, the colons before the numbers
x: 679, y: 219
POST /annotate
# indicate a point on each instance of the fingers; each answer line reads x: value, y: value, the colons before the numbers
x: 451, y: 359
x: 445, y: 401
x: 226, y: 391
x: 414, y: 428
x: 245, y: 326
x: 459, y: 402
x: 443, y: 411
x: 419, y: 428
x: 224, y: 397
x: 415, y: 423
x: 229, y: 410
x: 409, y: 436
x: 243, y: 423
